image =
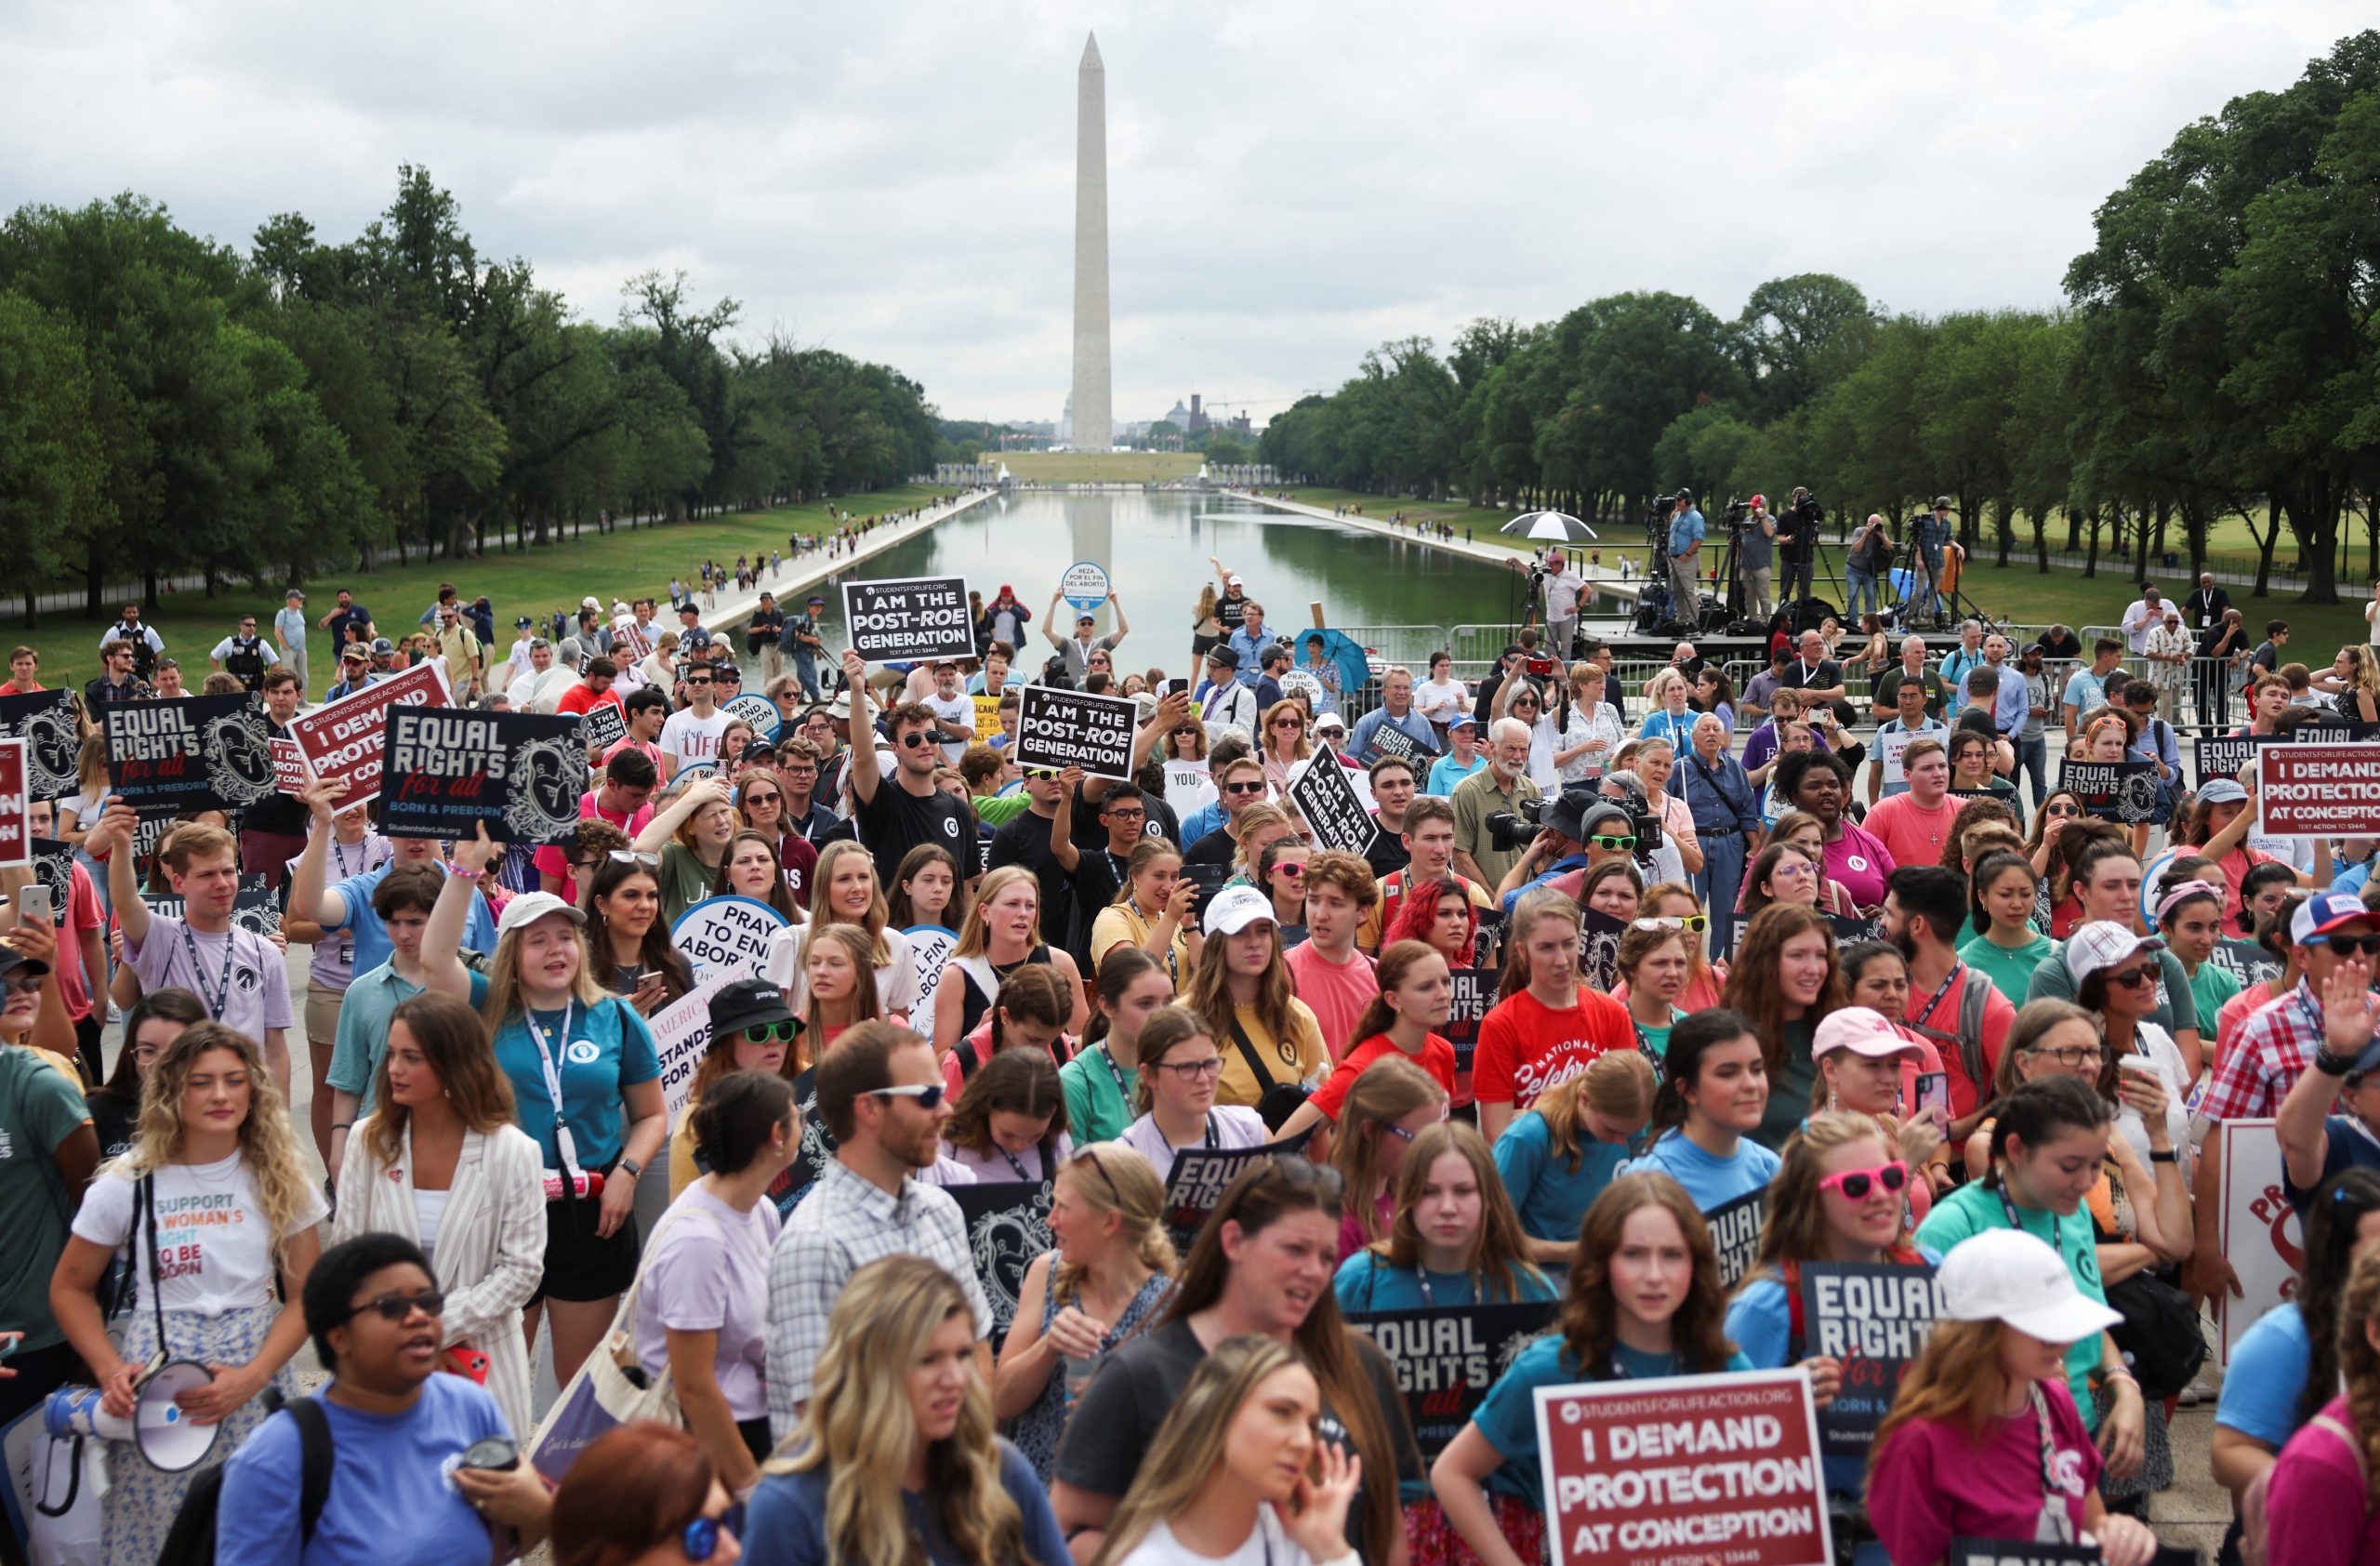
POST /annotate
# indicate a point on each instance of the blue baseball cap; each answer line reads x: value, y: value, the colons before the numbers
x: 2323, y: 912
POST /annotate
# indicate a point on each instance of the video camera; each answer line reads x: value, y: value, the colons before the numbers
x: 1516, y: 827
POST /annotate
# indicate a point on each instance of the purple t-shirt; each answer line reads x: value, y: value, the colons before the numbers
x: 708, y: 1272
x: 254, y: 998
x: 1931, y: 1484
x: 1858, y: 863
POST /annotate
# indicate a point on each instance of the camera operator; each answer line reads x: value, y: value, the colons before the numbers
x: 1686, y: 529
x: 1500, y: 787
x: 1755, y: 557
x: 1797, y: 541
x: 1932, y: 530
x: 1657, y: 857
x: 1563, y: 588
x: 1869, y: 555
x: 1576, y: 831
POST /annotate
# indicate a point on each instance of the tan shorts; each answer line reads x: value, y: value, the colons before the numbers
x: 322, y: 1010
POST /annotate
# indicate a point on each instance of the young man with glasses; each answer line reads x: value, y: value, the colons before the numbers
x: 898, y: 813
x: 691, y: 737
x: 798, y: 771
x: 1095, y: 874
x: 880, y: 1096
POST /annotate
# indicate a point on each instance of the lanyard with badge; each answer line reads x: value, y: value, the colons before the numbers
x: 1922, y: 1017
x: 221, y: 996
x: 1117, y: 1072
x: 563, y: 1143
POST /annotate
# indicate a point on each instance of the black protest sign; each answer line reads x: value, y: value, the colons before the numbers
x: 1474, y: 992
x: 1334, y: 812
x: 1872, y: 1317
x: 1389, y: 740
x: 444, y: 770
x: 1850, y: 927
x: 45, y: 720
x: 1008, y: 1225
x: 2223, y: 755
x: 1199, y: 1178
x: 606, y: 725
x: 255, y: 907
x: 2122, y: 791
x: 1599, y: 935
x: 906, y: 619
x: 197, y: 753
x: 1447, y: 1358
x: 1735, y: 1233
x: 1057, y: 729
x: 54, y: 867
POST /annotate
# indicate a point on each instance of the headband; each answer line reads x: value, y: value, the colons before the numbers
x: 2185, y: 892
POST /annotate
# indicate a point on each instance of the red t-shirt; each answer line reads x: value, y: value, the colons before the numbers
x: 1910, y: 835
x: 82, y: 912
x: 1526, y: 1046
x: 1942, y: 1016
x: 1436, y: 1058
x: 1336, y: 992
x: 578, y: 698
x: 551, y: 861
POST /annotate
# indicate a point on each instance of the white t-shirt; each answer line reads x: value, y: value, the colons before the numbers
x: 214, y: 1246
x: 1441, y: 703
x: 960, y: 709
x: 2159, y: 1046
x: 1267, y: 1544
x: 688, y: 739
x: 896, y: 982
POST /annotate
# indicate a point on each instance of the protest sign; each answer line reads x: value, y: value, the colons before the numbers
x: 639, y: 645
x: 987, y: 719
x: 2114, y: 790
x: 1333, y: 814
x: 682, y: 1036
x: 343, y: 740
x: 1449, y: 1357
x: 53, y: 863
x: 1474, y: 992
x: 1085, y: 586
x: 1389, y: 740
x: 1682, y: 1468
x: 1059, y: 729
x: 447, y: 771
x: 1199, y: 1178
x: 196, y: 752
x: 2261, y: 1236
x: 1297, y: 682
x: 254, y: 907
x: 1872, y: 1317
x: 1008, y: 1225
x: 604, y: 726
x: 908, y: 618
x: 929, y: 949
x: 757, y: 711
x: 1850, y: 927
x: 16, y: 823
x: 45, y: 720
x: 2223, y: 755
x: 1189, y: 787
x: 2317, y: 791
x: 288, y: 767
x: 1735, y: 1233
x: 817, y: 1142
x: 723, y: 933
x: 1599, y: 935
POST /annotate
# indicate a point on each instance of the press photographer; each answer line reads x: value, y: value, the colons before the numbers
x: 1575, y: 831
x: 1797, y: 540
x: 1685, y: 533
x: 1755, y: 557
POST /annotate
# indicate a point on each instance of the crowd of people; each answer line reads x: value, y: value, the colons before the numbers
x: 1619, y: 955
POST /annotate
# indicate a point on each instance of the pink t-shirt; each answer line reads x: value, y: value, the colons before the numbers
x: 550, y: 859
x: 1860, y: 862
x: 82, y: 913
x: 1336, y: 992
x: 1931, y: 1484
x: 1912, y: 835
x: 2315, y: 1507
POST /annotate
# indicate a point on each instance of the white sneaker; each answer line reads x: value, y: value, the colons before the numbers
x: 2198, y: 1391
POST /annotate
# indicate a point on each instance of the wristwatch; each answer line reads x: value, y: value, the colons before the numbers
x: 2333, y: 1064
x: 633, y: 1167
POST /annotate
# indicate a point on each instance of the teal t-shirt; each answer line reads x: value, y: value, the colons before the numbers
x: 1972, y: 1209
x: 1099, y: 1096
x: 39, y: 1109
x: 604, y: 1049
x: 2009, y: 968
x: 1508, y: 1415
x: 1366, y: 1282
x: 1549, y: 1195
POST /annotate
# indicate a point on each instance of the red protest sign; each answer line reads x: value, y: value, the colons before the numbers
x: 2319, y: 791
x: 343, y: 740
x: 15, y: 830
x: 288, y: 767
x: 1685, y: 1470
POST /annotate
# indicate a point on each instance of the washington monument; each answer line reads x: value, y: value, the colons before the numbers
x: 1095, y: 426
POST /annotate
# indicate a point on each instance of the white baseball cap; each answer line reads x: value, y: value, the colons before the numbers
x: 2103, y: 943
x: 1234, y: 909
x: 530, y: 907
x: 2009, y: 1276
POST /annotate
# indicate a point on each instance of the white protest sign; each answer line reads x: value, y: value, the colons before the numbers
x: 908, y: 618
x: 1057, y: 729
x: 681, y: 1035
x: 1189, y: 787
x: 726, y: 933
x: 2261, y: 1236
x: 929, y: 949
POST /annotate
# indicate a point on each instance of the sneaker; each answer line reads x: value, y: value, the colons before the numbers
x: 2198, y: 1391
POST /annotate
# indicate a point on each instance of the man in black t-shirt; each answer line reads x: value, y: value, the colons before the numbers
x: 1095, y: 871
x: 898, y: 813
x: 1025, y: 840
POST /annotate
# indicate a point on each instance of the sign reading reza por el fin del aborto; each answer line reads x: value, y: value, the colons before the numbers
x: 902, y: 619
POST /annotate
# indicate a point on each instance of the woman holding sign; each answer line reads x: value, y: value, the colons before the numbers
x: 1644, y: 1300
x: 586, y: 1084
x: 1984, y: 1441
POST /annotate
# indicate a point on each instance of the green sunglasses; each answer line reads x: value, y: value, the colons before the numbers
x: 773, y: 1033
x: 1617, y: 844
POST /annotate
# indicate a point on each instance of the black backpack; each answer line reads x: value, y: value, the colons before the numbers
x: 191, y: 1541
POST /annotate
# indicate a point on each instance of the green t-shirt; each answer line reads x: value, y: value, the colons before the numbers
x: 1790, y: 1087
x: 1972, y: 1209
x: 2209, y: 987
x: 2010, y: 969
x: 39, y: 1109
x: 685, y: 880
x: 998, y: 810
x: 1099, y: 1096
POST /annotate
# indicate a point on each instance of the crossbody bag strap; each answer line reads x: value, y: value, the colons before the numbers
x: 1264, y: 1078
x: 145, y: 1195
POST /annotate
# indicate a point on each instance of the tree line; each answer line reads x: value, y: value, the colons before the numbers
x: 2217, y: 355
x: 171, y: 405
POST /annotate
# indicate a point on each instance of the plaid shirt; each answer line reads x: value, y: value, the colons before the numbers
x: 839, y: 1228
x: 2276, y: 1047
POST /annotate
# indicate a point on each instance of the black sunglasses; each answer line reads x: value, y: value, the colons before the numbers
x: 913, y: 740
x: 1245, y: 788
x: 2348, y: 946
x: 929, y: 1096
x: 396, y: 1308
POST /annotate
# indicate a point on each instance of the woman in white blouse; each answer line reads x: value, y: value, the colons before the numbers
x: 441, y: 1163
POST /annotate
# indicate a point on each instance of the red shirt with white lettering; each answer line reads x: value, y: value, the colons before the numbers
x: 1526, y: 1046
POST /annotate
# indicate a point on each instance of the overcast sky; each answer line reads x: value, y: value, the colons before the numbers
x: 1289, y: 184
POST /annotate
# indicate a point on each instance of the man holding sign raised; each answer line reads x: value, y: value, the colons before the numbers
x: 897, y: 813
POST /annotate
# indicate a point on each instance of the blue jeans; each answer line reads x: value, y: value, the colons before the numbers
x: 1721, y: 877
x: 805, y: 669
x: 1859, y: 583
x: 2032, y: 761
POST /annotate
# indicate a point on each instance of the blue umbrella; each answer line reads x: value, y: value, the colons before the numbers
x: 1355, y: 664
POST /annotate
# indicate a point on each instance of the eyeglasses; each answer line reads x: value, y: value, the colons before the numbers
x: 396, y: 1308
x: 2072, y: 1056
x: 2347, y: 945
x: 2132, y: 978
x: 773, y: 1033
x: 1617, y: 844
x: 1697, y: 923
x: 914, y: 740
x: 928, y: 1095
x: 1127, y: 815
x: 1244, y: 788
x: 752, y: 798
x: 700, y: 1539
x: 1091, y: 1157
x: 1855, y: 1184
x: 1191, y: 1070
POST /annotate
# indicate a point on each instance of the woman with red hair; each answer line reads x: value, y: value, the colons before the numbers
x: 644, y: 1494
x: 1439, y: 914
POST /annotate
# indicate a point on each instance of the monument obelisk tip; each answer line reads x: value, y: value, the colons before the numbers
x: 1090, y: 60
x: 1094, y: 406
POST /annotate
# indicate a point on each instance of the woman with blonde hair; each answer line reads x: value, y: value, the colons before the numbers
x: 897, y: 1457
x: 843, y: 890
x: 1003, y: 933
x: 1393, y: 1102
x: 836, y: 993
x: 1108, y: 1275
x: 216, y: 1179
x: 1558, y: 1155
x: 1155, y: 909
x: 691, y: 834
x: 1239, y: 1462
x: 441, y: 1163
x: 1285, y: 743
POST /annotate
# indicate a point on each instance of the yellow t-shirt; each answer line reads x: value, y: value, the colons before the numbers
x: 1300, y: 1058
x: 1122, y: 924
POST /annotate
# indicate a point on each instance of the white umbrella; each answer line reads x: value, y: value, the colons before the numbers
x: 1551, y: 527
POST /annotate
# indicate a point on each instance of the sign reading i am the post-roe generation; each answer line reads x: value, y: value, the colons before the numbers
x: 903, y: 619
x: 1060, y: 729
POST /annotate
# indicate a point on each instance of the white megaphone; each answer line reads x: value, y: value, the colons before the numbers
x: 165, y: 1435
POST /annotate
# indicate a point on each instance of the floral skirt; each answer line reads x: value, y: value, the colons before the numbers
x: 1432, y: 1540
x: 141, y: 1501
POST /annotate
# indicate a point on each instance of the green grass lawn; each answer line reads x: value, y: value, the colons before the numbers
x: 622, y: 564
x: 1085, y: 467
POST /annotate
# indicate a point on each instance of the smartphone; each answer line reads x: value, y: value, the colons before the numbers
x: 33, y: 903
x: 8, y: 1342
x: 1177, y: 687
x: 1934, y: 1093
x: 1209, y: 879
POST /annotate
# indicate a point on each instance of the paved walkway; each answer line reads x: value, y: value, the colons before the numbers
x: 794, y: 581
x: 1507, y: 553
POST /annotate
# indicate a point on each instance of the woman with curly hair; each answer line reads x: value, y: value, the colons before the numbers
x: 214, y: 1179
x: 1786, y: 979
x: 1642, y: 1300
